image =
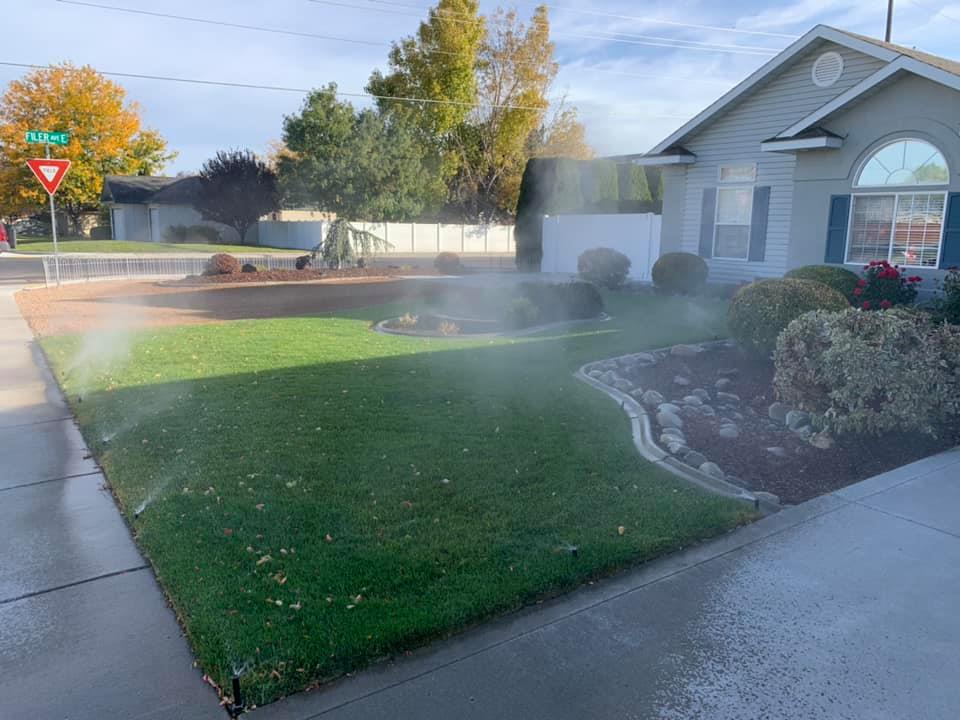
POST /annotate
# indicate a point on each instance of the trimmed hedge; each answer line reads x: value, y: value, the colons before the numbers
x: 600, y: 186
x: 222, y: 264
x: 760, y: 311
x: 604, y: 267
x: 680, y: 272
x: 840, y: 279
x: 520, y: 313
x: 871, y: 372
x: 575, y: 300
x: 447, y: 263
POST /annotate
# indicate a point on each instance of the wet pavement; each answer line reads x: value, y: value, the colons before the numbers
x: 85, y: 632
x: 843, y: 607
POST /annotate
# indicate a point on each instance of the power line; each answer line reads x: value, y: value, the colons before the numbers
x: 282, y: 31
x: 667, y: 42
x: 304, y: 91
x: 612, y: 35
x: 935, y: 11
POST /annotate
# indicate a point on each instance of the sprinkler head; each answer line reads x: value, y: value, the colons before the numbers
x: 235, y: 707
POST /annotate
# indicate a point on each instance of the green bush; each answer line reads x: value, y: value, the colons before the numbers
x: 520, y: 313
x: 248, y: 268
x: 599, y: 185
x: 604, y: 267
x: 101, y: 232
x: 760, y: 311
x: 548, y: 185
x: 946, y: 308
x: 884, y: 285
x: 176, y: 233
x: 680, y: 272
x: 222, y: 264
x: 447, y: 263
x: 576, y: 300
x: 864, y: 372
x: 303, y: 262
x: 840, y: 279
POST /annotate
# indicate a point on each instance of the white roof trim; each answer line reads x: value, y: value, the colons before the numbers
x: 665, y: 160
x: 820, y: 32
x: 789, y: 145
x: 902, y: 63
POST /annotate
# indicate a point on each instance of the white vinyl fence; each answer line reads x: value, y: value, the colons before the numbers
x: 79, y: 269
x: 635, y: 235
x: 404, y: 238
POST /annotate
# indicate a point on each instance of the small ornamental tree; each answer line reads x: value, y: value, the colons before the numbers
x: 884, y: 285
x: 347, y: 244
x: 237, y: 189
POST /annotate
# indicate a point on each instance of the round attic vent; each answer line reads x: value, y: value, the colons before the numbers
x: 827, y: 69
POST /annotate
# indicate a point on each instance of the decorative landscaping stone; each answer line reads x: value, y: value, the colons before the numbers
x: 667, y: 440
x: 595, y: 374
x: 707, y: 410
x: 686, y: 350
x: 652, y: 398
x: 777, y: 451
x: 728, y: 398
x: 668, y: 419
x: 767, y: 497
x: 778, y: 411
x: 692, y: 400
x: 804, y: 431
x: 677, y: 448
x: 702, y: 394
x: 695, y: 458
x: 681, y: 381
x: 673, y: 432
x: 723, y: 383
x: 669, y: 407
x: 795, y: 419
x: 821, y: 440
x: 729, y: 431
x: 622, y: 385
x: 711, y: 469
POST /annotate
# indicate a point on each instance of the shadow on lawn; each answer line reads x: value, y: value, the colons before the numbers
x: 308, y: 520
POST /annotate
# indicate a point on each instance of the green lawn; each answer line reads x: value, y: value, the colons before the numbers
x: 81, y: 245
x: 321, y: 496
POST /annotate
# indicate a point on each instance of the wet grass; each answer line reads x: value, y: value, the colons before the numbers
x: 318, y: 496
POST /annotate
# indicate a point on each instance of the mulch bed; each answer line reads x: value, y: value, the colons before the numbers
x: 305, y: 275
x: 803, y: 471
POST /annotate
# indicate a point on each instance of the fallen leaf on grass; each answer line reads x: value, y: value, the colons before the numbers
x: 228, y: 531
x: 621, y: 530
x: 259, y: 506
x: 297, y: 605
x: 264, y: 559
x: 328, y: 537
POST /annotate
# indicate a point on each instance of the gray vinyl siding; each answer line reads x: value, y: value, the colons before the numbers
x: 674, y: 201
x: 734, y: 138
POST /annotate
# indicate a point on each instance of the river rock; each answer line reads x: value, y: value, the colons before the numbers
x: 680, y: 380
x: 685, y: 350
x: 652, y: 398
x: 595, y: 374
x: 692, y: 400
x: 623, y: 385
x: 694, y: 458
x: 667, y: 419
x: 723, y: 383
x: 669, y: 407
x: 728, y: 398
x: 701, y: 393
x: 712, y: 469
x: 821, y: 440
x: 677, y: 448
x: 777, y: 451
x: 796, y: 419
x: 778, y: 411
x: 730, y: 432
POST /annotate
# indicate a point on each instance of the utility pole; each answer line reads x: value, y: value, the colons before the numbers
x: 889, y: 20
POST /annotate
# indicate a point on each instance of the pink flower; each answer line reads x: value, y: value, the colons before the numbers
x: 858, y: 291
x: 861, y: 283
x: 886, y: 304
x: 866, y: 305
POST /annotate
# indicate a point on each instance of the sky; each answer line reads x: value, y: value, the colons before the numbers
x: 619, y: 64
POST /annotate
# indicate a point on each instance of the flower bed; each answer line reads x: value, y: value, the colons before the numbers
x: 714, y: 409
x: 304, y: 275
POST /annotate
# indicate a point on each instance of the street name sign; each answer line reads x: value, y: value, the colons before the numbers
x: 40, y: 137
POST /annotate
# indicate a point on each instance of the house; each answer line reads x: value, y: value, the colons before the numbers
x: 841, y: 149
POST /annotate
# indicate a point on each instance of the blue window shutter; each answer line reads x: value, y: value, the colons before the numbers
x: 708, y: 211
x: 950, y: 252
x: 758, y: 224
x: 837, y: 229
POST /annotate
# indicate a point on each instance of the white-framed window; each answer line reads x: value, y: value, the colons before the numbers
x: 731, y: 230
x: 746, y: 173
x: 903, y: 228
x: 904, y: 224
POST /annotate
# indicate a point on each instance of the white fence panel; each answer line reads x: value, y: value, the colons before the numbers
x: 500, y: 239
x: 300, y: 235
x: 450, y: 238
x: 635, y: 235
x: 424, y: 238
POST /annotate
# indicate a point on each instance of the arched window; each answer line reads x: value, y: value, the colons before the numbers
x: 904, y: 162
x: 892, y: 217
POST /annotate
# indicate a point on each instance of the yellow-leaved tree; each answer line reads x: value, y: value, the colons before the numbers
x: 106, y: 138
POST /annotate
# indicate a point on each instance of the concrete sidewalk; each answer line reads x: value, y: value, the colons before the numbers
x: 843, y: 607
x: 84, y: 629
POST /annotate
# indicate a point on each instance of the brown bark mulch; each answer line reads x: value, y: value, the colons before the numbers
x: 305, y: 275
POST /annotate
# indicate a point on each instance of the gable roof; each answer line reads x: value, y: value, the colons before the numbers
x: 897, y: 57
x: 146, y: 189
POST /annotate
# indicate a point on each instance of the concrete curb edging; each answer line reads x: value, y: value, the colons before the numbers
x: 381, y: 327
x: 649, y: 450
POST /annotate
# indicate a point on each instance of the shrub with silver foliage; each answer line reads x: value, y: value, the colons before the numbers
x: 871, y: 372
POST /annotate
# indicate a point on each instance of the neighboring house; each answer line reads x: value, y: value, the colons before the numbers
x: 841, y: 149
x: 142, y: 207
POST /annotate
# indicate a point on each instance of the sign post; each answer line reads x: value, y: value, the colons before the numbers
x: 50, y: 173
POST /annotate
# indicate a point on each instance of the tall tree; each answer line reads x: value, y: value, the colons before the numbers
x: 106, y: 137
x: 509, y: 125
x: 237, y: 189
x: 364, y: 166
x: 438, y: 63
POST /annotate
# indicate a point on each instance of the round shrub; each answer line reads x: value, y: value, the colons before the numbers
x: 520, y: 313
x: 680, y: 272
x: 840, y: 279
x: 604, y: 267
x: 222, y: 264
x: 303, y: 262
x: 946, y: 308
x: 864, y: 372
x: 575, y: 300
x: 760, y: 311
x: 248, y: 268
x: 447, y: 263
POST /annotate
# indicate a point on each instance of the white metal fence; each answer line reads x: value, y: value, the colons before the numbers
x: 404, y: 238
x: 80, y: 269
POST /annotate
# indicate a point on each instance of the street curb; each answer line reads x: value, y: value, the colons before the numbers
x: 650, y: 451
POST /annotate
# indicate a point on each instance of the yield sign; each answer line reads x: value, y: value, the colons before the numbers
x: 49, y: 172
